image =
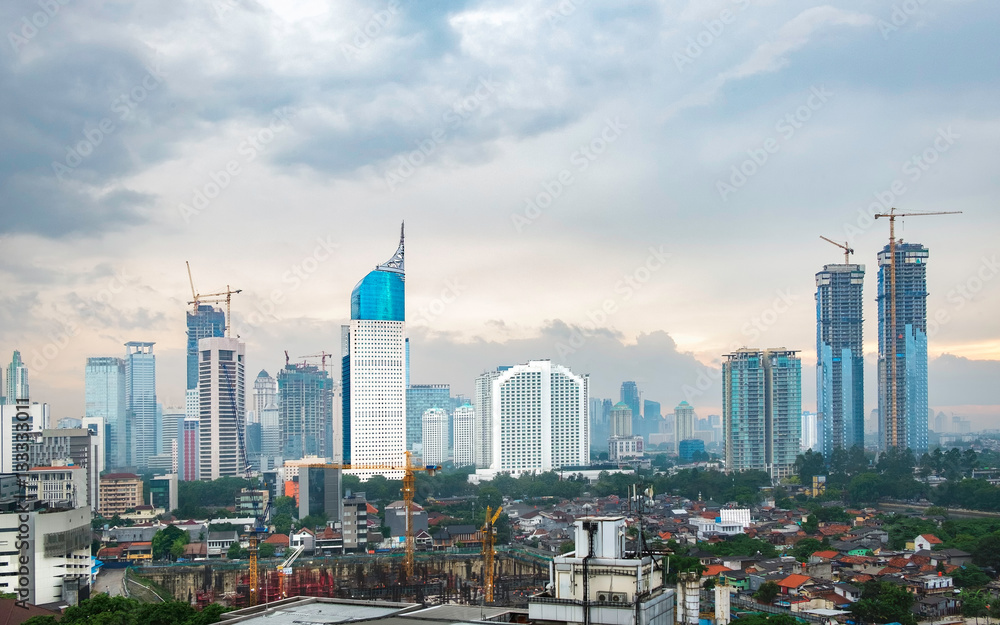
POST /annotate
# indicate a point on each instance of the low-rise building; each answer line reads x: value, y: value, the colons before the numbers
x: 119, y: 493
x: 220, y: 542
x: 58, y: 483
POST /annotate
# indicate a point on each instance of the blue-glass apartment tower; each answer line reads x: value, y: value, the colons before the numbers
x: 762, y: 410
x: 902, y: 389
x: 208, y: 322
x: 840, y: 382
x: 630, y: 396
x: 374, y: 368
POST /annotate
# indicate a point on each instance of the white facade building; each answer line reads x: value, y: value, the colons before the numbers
x: 192, y: 409
x: 540, y: 418
x: 483, y: 424
x: 265, y: 393
x: 58, y: 483
x: 463, y: 429
x: 435, y: 433
x: 58, y: 553
x: 221, y: 389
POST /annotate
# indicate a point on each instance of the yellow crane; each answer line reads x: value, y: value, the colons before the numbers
x: 489, y: 540
x: 848, y: 250
x: 891, y: 216
x: 409, y: 488
x: 212, y: 298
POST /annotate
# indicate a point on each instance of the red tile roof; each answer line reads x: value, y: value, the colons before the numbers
x: 714, y: 569
x: 829, y: 554
x: 277, y: 539
x: 794, y: 580
x: 931, y: 538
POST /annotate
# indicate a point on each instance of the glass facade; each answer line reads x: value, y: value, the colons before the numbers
x: 380, y: 296
x: 305, y: 412
x: 105, y: 398
x: 140, y: 403
x: 208, y: 322
x: 419, y: 399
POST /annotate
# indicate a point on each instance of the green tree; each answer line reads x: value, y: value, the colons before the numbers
x: 177, y: 548
x: 767, y: 593
x: 282, y: 523
x: 235, y: 551
x: 987, y: 552
x: 973, y: 603
x: 805, y: 548
x: 742, y: 545
x: 266, y: 550
x: 567, y: 546
x: 809, y: 464
x: 286, y: 505
x: 884, y: 602
x: 104, y: 610
x: 164, y: 540
x: 489, y: 496
x: 970, y: 576
x: 865, y: 488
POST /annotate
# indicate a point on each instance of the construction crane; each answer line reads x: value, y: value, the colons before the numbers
x: 286, y: 567
x: 489, y: 540
x: 409, y: 488
x: 323, y: 355
x: 848, y: 250
x: 891, y: 216
x: 212, y: 298
x: 260, y: 515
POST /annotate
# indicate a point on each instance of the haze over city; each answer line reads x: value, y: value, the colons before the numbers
x: 573, y: 178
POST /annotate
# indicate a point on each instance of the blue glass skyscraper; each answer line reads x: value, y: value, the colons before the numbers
x: 208, y: 322
x: 140, y: 403
x: 374, y: 368
x: 840, y: 384
x: 902, y: 396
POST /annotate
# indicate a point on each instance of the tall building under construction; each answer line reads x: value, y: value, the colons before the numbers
x: 840, y: 384
x: 902, y: 348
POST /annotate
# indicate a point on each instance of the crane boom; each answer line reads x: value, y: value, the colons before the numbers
x: 893, y: 341
x: 489, y: 540
x: 848, y: 250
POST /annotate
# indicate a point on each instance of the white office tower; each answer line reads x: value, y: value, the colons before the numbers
x: 374, y: 371
x: 221, y: 388
x: 463, y: 429
x: 97, y: 429
x: 435, y: 432
x: 540, y: 419
x: 600, y: 583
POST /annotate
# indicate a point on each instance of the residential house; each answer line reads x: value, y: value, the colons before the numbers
x: 220, y: 542
x: 924, y: 542
x: 303, y: 537
x: 329, y: 542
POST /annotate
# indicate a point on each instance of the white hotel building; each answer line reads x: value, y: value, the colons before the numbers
x: 539, y: 418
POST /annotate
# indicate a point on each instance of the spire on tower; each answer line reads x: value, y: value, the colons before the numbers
x: 396, y: 262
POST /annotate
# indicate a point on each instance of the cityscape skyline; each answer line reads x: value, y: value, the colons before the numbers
x: 112, y: 269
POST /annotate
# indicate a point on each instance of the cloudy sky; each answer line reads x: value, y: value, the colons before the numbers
x: 629, y: 188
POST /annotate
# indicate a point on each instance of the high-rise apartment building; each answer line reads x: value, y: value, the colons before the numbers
x: 762, y: 410
x: 221, y: 388
x: 265, y: 392
x: 539, y: 418
x: 140, y: 403
x: 207, y: 322
x: 651, y: 410
x: 374, y: 369
x: 902, y: 347
x: 17, y: 380
x: 840, y: 384
x: 483, y: 424
x: 683, y: 422
x: 621, y: 420
x: 463, y: 428
x: 419, y: 399
x: 104, y: 381
x: 435, y: 436
x: 305, y: 411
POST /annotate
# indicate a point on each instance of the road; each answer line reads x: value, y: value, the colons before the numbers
x: 109, y: 581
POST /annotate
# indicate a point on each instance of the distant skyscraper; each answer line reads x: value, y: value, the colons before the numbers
x: 104, y: 382
x: 435, y: 436
x: 651, y: 410
x: 902, y: 387
x: 419, y: 399
x: 140, y: 403
x: 840, y: 383
x: 621, y: 420
x: 306, y: 411
x: 374, y: 369
x: 270, y: 436
x: 630, y: 395
x: 17, y: 379
x: 683, y: 422
x: 463, y: 427
x: 810, y: 432
x: 762, y: 410
x: 188, y: 441
x: 265, y: 391
x: 221, y: 391
x: 539, y: 418
x: 208, y: 322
